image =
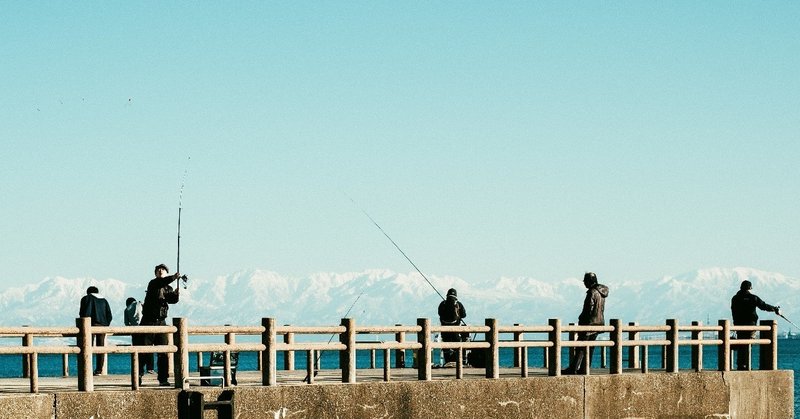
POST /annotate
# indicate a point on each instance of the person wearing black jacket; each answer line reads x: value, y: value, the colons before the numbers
x: 451, y: 311
x: 94, y: 306
x: 591, y: 315
x: 743, y: 311
x: 154, y: 313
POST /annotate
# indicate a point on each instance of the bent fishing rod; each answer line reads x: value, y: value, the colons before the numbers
x: 401, y: 251
x: 180, y: 207
x: 319, y: 354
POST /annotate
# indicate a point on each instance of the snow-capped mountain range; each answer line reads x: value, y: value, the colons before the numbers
x: 381, y: 297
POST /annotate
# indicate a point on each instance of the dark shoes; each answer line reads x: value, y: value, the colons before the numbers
x: 164, y: 383
x: 96, y: 373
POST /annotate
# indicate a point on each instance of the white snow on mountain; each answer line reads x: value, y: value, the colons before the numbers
x: 382, y: 297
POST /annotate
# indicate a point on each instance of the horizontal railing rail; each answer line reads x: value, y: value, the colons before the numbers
x: 634, y: 338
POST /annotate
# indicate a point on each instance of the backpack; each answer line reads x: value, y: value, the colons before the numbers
x: 451, y: 312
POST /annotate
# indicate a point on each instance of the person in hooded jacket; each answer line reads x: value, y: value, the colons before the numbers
x: 591, y: 315
x: 451, y: 311
x: 743, y: 311
x: 95, y: 306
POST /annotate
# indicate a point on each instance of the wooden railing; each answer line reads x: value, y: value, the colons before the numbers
x: 548, y: 337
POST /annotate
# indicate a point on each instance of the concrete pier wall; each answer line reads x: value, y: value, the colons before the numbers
x: 762, y: 394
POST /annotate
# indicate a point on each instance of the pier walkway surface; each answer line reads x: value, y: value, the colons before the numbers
x: 121, y: 382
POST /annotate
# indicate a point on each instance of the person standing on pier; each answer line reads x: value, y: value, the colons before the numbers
x: 451, y: 311
x: 133, y: 315
x: 743, y: 311
x: 154, y: 313
x: 591, y: 315
x: 94, y: 306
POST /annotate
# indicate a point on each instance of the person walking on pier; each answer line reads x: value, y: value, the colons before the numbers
x: 743, y: 311
x: 94, y: 306
x: 154, y: 313
x: 451, y: 311
x: 591, y: 315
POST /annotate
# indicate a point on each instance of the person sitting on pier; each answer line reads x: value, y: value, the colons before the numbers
x: 94, y: 306
x: 591, y: 315
x: 451, y: 311
x: 154, y: 313
x: 743, y: 311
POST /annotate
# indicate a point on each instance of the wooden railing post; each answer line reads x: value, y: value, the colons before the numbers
x: 424, y: 353
x: 493, y: 360
x: 672, y: 348
x: 517, y: 351
x: 230, y: 339
x: 34, y: 373
x: 633, y: 351
x: 697, y: 350
x: 521, y: 354
x: 269, y: 373
x: 400, y: 354
x: 170, y: 355
x: 724, y: 350
x: 616, y: 350
x: 27, y: 340
x: 134, y: 371
x: 288, y: 356
x: 387, y: 364
x: 554, y: 352
x: 310, y: 366
x: 181, y: 339
x: 349, y: 340
x: 65, y: 365
x: 768, y: 354
x: 84, y: 341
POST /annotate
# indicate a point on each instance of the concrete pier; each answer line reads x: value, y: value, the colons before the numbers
x: 734, y: 394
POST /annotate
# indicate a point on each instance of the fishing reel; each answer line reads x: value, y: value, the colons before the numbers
x: 185, y: 279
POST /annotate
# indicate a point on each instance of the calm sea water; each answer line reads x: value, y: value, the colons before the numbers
x: 50, y: 365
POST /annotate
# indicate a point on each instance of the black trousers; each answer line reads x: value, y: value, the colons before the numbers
x: 580, y: 352
x: 743, y: 351
x: 150, y: 339
x: 450, y: 355
x: 145, y: 360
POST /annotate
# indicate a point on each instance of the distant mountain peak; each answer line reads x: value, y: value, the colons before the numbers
x: 387, y: 297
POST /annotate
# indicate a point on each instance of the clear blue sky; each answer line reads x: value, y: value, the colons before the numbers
x: 541, y: 139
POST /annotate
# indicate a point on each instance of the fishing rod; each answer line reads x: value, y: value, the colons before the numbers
x: 319, y: 355
x: 180, y: 207
x: 401, y: 252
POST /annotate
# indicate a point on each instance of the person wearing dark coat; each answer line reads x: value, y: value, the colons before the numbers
x: 94, y: 306
x: 591, y: 315
x: 451, y: 311
x: 154, y: 313
x: 743, y: 311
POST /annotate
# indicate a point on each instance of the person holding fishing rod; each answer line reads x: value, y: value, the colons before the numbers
x: 154, y: 313
x: 743, y: 311
x: 451, y: 311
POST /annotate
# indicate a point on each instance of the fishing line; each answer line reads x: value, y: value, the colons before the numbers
x: 790, y: 322
x: 180, y: 207
x: 396, y: 246
x: 404, y: 255
x: 319, y: 355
